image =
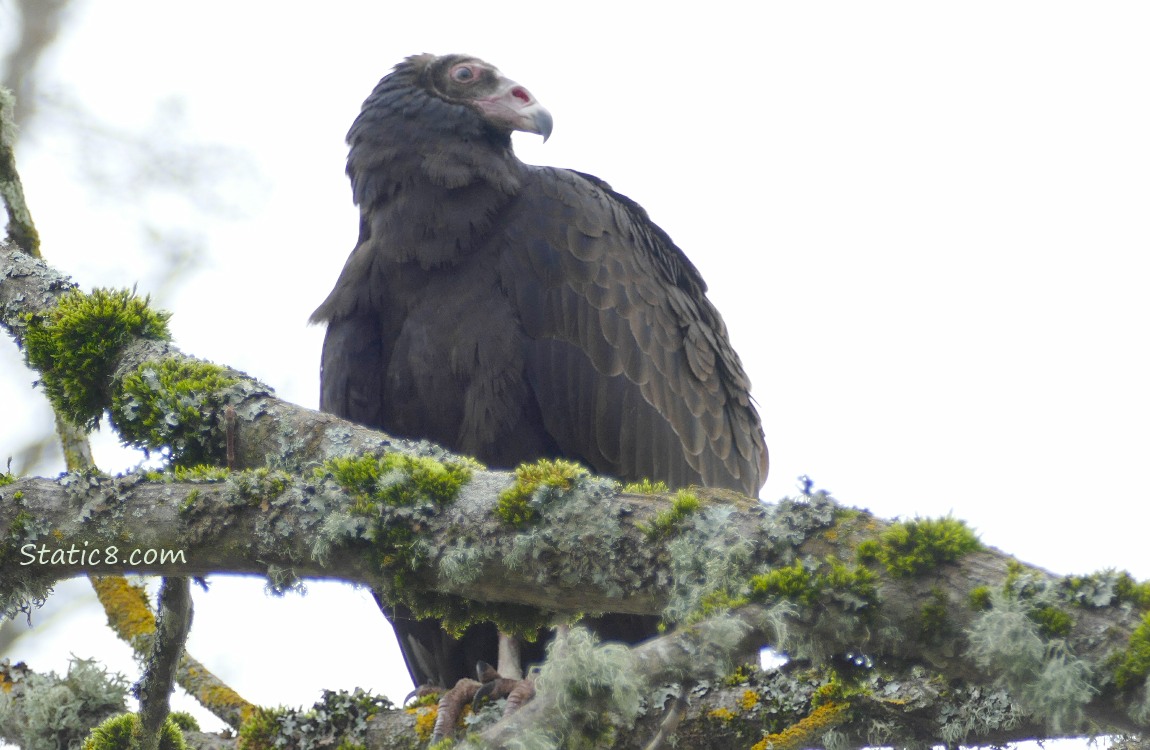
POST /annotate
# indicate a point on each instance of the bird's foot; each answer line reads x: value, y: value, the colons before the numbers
x: 489, y: 687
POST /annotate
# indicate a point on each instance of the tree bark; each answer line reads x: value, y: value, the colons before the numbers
x: 922, y: 647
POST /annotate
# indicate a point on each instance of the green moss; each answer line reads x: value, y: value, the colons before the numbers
x: 74, y: 346
x: 122, y: 733
x: 189, y: 502
x: 200, y: 473
x: 457, y: 614
x: 1052, y: 621
x: 869, y: 550
x: 851, y: 586
x: 849, y: 582
x: 740, y: 675
x: 667, y: 522
x: 646, y: 487
x: 185, y: 721
x: 910, y: 548
x: 173, y: 403
x: 1014, y: 575
x: 517, y: 505
x: 6, y: 477
x: 1132, y: 666
x: 717, y: 602
x: 1126, y: 589
x: 16, y: 529
x: 793, y: 582
x: 259, y: 486
x: 20, y: 523
x: 979, y: 598
x: 259, y: 732
x: 932, y: 616
x: 838, y: 688
x: 397, y: 480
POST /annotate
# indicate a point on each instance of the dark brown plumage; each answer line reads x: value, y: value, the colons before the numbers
x: 513, y: 312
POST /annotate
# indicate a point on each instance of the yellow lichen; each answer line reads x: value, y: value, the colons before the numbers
x: 805, y: 732
x: 723, y: 714
x: 425, y: 717
x: 130, y: 617
x: 129, y: 613
x: 222, y: 700
x: 750, y: 700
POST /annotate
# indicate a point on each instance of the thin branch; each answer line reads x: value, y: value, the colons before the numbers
x: 159, y: 678
x: 131, y: 619
x: 21, y: 229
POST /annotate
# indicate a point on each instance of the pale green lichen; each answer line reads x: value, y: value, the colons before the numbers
x: 593, y: 686
x: 595, y: 554
x: 791, y: 521
x: 1046, y: 678
x: 966, y: 715
x: 338, y: 721
x: 172, y: 404
x: 74, y: 346
x: 461, y: 564
x: 1106, y: 588
x: 709, y: 561
x: 46, y: 711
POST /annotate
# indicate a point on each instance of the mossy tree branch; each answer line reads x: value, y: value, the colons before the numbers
x: 821, y: 582
x: 264, y: 523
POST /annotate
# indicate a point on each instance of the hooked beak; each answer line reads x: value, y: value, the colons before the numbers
x: 512, y: 106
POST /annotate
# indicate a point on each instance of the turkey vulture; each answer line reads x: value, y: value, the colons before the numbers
x: 512, y: 312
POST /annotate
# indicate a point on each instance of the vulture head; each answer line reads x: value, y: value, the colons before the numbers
x: 449, y: 118
x: 501, y: 102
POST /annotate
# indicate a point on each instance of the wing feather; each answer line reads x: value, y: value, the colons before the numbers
x: 618, y: 323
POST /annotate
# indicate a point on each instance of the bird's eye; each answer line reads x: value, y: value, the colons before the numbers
x: 463, y: 74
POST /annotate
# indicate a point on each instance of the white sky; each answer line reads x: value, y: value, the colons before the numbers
x: 925, y: 225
